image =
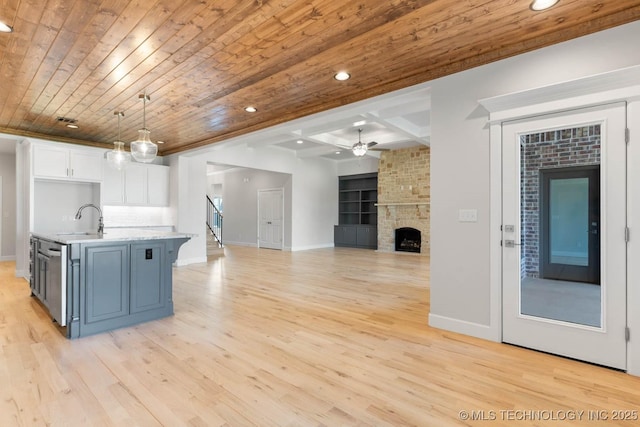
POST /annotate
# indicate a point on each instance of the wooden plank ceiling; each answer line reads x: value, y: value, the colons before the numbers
x: 202, y: 62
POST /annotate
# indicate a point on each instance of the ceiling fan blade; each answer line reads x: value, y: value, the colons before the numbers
x: 380, y: 149
x: 371, y: 144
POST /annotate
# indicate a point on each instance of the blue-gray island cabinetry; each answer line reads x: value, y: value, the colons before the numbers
x: 121, y: 278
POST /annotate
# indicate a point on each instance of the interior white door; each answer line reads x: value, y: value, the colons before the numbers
x: 585, y: 321
x: 270, y: 214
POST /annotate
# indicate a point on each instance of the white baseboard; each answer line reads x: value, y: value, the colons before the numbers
x: 8, y: 258
x: 306, y: 248
x: 251, y: 245
x: 463, y: 327
x: 23, y: 274
x: 183, y: 262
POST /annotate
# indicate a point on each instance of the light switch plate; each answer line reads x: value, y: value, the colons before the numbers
x: 468, y: 215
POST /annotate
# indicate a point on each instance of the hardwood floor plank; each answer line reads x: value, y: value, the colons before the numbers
x: 260, y: 337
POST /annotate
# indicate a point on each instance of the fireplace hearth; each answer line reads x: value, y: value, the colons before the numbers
x: 408, y: 239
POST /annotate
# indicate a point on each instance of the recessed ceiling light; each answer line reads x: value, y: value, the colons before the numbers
x: 360, y: 123
x: 338, y: 152
x: 4, y: 28
x: 72, y: 126
x: 537, y: 5
x: 299, y: 141
x: 342, y: 76
x: 250, y: 109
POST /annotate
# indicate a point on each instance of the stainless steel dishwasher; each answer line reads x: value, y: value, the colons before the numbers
x: 52, y: 271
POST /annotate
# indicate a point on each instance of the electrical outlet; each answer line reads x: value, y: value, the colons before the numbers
x: 468, y: 215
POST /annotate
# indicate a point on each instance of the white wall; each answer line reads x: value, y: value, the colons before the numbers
x: 55, y: 204
x: 366, y: 164
x: 460, y: 166
x: 315, y: 204
x: 188, y: 186
x: 8, y: 213
x: 240, y: 198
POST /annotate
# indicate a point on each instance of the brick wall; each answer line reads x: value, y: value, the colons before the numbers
x: 404, y: 177
x: 548, y: 150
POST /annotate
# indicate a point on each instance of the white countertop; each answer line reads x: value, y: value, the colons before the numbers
x: 111, y: 234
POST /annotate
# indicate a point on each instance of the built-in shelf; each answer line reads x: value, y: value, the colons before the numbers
x: 357, y: 213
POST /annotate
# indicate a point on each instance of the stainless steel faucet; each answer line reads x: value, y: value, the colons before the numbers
x: 100, y: 220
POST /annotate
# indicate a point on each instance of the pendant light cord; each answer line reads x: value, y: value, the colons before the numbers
x: 144, y: 97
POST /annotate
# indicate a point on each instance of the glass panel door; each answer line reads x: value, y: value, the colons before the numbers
x: 564, y: 177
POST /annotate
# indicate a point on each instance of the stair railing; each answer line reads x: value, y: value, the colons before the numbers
x: 214, y: 221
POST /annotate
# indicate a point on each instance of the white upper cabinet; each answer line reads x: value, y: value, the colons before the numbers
x: 86, y: 165
x: 137, y: 184
x: 67, y: 163
x: 112, y: 190
x: 158, y: 185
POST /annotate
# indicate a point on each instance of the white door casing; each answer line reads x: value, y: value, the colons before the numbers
x: 605, y: 345
x: 270, y: 218
x: 1, y: 217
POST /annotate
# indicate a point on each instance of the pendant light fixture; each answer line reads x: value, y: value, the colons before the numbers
x: 142, y: 149
x: 359, y: 149
x: 118, y: 158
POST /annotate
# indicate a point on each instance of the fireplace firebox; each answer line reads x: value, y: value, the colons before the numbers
x: 408, y: 240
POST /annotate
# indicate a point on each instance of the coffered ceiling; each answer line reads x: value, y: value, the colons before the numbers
x: 203, y: 62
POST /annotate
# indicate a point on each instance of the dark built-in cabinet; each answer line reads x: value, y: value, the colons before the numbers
x: 357, y: 211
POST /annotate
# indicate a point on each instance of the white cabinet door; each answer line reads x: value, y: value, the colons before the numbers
x: 85, y: 165
x: 67, y: 163
x: 113, y: 186
x: 158, y: 185
x: 50, y: 162
x: 135, y: 184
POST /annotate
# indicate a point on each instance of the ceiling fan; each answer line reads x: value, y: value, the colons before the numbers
x: 360, y: 149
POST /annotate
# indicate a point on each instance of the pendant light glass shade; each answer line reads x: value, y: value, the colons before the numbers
x: 118, y: 158
x: 142, y: 149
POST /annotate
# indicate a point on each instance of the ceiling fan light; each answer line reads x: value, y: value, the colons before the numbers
x: 538, y: 5
x: 359, y: 149
x: 142, y: 149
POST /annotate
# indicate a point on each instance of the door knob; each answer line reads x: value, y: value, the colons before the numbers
x: 511, y: 244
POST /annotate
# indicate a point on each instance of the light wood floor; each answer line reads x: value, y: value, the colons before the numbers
x: 331, y: 337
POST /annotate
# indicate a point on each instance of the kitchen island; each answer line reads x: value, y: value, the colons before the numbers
x: 94, y: 283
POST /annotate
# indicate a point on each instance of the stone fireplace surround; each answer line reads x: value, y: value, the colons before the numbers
x: 403, y: 195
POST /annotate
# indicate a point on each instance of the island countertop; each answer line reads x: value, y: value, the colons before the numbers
x: 110, y: 234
